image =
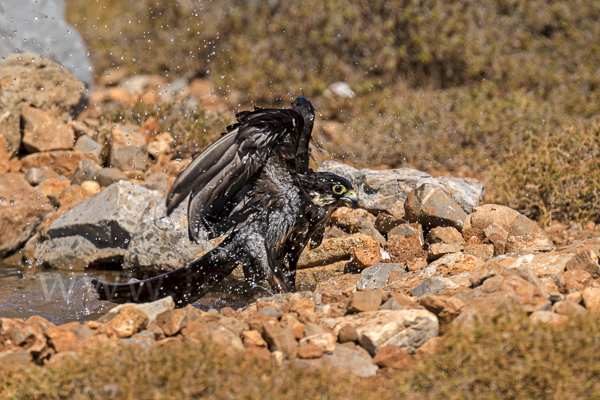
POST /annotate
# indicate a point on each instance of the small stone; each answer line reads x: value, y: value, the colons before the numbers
x: 393, y: 357
x: 576, y: 279
x: 42, y: 322
x: 548, y: 318
x: 386, y: 222
x: 298, y: 330
x: 585, y: 260
x: 431, y: 206
x: 569, y: 309
x: 408, y: 229
x: 309, y: 351
x: 445, y: 234
x: 367, y: 254
x: 433, y: 285
x: 273, y: 312
x: 403, y: 248
x: 128, y: 321
x: 159, y: 334
x: 253, y: 338
x: 326, y: 341
x: 482, y: 251
x: 62, y: 340
x: 303, y: 306
x: 368, y: 300
x: 446, y: 308
x: 591, y: 299
x: 128, y: 150
x: 438, y: 250
x: 347, y: 334
x: 311, y: 329
x: 281, y: 339
x: 42, y: 132
x: 378, y: 275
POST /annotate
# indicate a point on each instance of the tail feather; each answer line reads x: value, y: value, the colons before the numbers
x: 186, y: 284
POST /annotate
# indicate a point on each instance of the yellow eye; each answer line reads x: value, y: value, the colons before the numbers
x: 339, y: 189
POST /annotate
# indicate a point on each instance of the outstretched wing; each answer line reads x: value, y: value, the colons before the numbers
x: 216, y: 176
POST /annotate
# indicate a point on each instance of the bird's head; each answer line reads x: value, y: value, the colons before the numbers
x: 304, y: 107
x: 328, y: 189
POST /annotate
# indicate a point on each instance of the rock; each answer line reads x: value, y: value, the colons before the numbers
x: 367, y: 300
x: 384, y: 222
x: 281, y: 339
x: 591, y: 299
x: 313, y: 329
x: 403, y: 248
x: 347, y: 334
x: 273, y: 312
x: 530, y: 296
x: 158, y: 181
x: 408, y: 229
x: 32, y: 71
x: 303, y: 306
x: 386, y: 190
x: 108, y: 219
x: 128, y: 321
x: 431, y: 206
x: 35, y: 176
x: 54, y: 189
x: 523, y: 234
x: 41, y: 322
x: 76, y: 253
x: 254, y: 338
x: 585, y: 260
x: 437, y: 250
x: 152, y: 310
x: 21, y: 208
x: 14, y: 359
x: 62, y: 340
x: 331, y: 250
x: 576, y: 279
x: 222, y: 337
x: 455, y: 263
x: 87, y: 170
x: 86, y: 144
x: 160, y: 243
x: 18, y: 335
x: 43, y: 132
x: 128, y: 150
x: 569, y: 309
x: 433, y: 285
x: 377, y: 275
x: 326, y: 341
x: 80, y: 330
x: 172, y: 321
x: 63, y: 162
x: 354, y: 361
x: 407, y: 329
x: 548, y: 318
x: 483, y: 307
x: 481, y: 251
x: 445, y: 308
x: 309, y: 351
x: 445, y: 234
x: 391, y: 356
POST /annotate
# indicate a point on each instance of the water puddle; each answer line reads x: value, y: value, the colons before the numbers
x: 26, y: 291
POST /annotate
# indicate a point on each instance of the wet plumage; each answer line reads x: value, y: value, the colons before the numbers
x: 254, y: 185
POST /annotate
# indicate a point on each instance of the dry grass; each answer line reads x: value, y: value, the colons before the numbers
x: 504, y: 90
x: 507, y: 359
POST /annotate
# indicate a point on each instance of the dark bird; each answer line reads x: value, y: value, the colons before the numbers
x: 279, y: 226
x: 254, y: 186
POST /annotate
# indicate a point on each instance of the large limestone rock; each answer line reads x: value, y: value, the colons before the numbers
x: 387, y: 190
x: 21, y: 209
x: 97, y: 230
x: 160, y: 242
x: 49, y: 87
x: 407, y: 329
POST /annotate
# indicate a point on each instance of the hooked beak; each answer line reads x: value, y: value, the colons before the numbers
x: 350, y: 199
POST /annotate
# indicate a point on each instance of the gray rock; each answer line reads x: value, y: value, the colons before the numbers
x: 158, y: 181
x: 88, y: 145
x: 377, y: 275
x: 160, y: 243
x: 107, y: 176
x: 407, y: 329
x: 387, y: 190
x: 355, y: 361
x: 273, y: 312
x: 76, y: 253
x: 431, y: 206
x: 108, y: 219
x: 86, y: 171
x: 41, y: 27
x: 433, y: 285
